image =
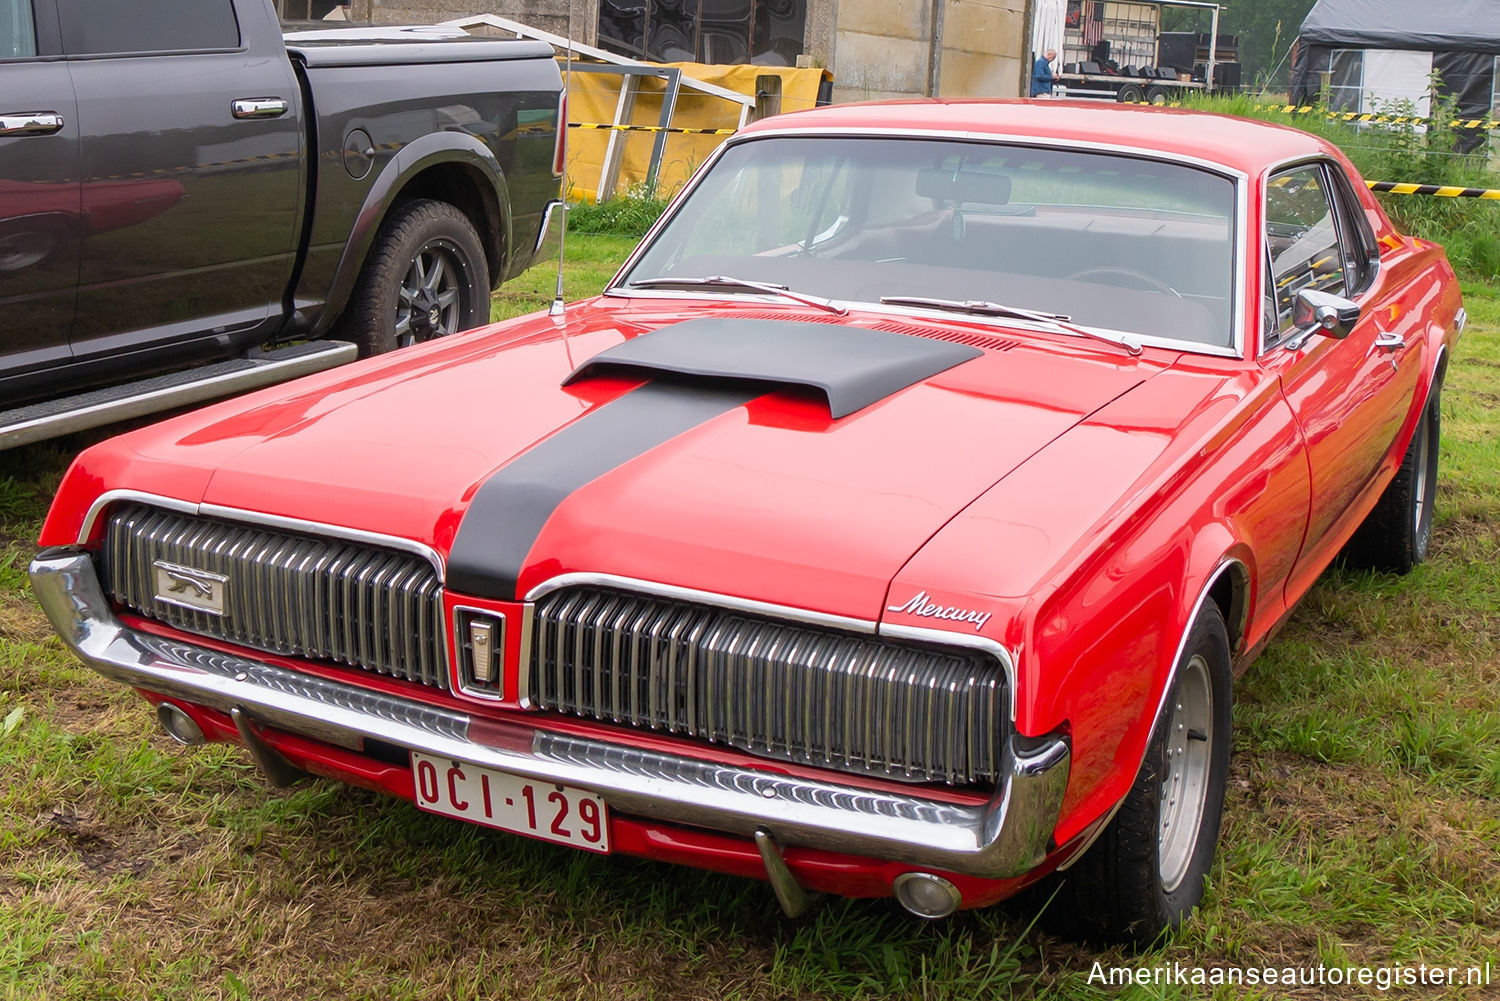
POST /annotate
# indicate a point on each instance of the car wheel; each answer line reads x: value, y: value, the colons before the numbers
x: 425, y: 277
x: 1146, y: 871
x: 1394, y: 537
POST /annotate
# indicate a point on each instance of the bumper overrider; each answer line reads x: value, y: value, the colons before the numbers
x: 1005, y: 837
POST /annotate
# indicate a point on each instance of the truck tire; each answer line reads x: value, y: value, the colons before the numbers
x: 425, y: 277
x: 1145, y: 874
x: 1158, y: 95
x: 1394, y: 537
x: 1130, y: 93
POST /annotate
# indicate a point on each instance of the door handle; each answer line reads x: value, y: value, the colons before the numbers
x: 259, y: 107
x: 30, y: 123
x: 1390, y: 340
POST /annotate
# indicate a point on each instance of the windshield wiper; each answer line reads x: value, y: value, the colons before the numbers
x: 982, y: 307
x: 725, y: 282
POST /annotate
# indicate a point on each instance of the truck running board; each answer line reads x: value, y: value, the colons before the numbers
x: 24, y: 425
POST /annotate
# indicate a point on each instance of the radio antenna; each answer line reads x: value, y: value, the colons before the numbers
x: 557, y: 308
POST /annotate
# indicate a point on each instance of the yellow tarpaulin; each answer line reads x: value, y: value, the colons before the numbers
x: 593, y: 97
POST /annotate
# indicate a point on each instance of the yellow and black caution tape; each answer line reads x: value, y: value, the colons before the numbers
x: 653, y: 128
x: 1375, y: 119
x: 1440, y: 190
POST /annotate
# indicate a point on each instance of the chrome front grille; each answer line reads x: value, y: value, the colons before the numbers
x: 320, y: 598
x: 770, y: 687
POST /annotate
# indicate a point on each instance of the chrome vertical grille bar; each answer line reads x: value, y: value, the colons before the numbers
x: 775, y: 688
x: 323, y: 599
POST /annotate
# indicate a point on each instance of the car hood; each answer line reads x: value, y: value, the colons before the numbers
x: 769, y: 498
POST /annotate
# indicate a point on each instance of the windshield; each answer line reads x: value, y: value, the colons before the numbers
x: 1111, y: 241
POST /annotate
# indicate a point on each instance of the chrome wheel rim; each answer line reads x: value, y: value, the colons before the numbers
x: 1184, y: 787
x: 429, y: 299
x: 1420, y: 475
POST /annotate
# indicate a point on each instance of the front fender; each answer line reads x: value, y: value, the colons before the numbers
x: 417, y: 156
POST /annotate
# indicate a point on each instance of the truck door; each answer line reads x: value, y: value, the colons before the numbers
x: 39, y: 195
x: 191, y: 171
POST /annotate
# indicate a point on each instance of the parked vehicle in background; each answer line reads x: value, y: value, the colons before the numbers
x: 894, y: 523
x: 1115, y: 50
x: 179, y: 188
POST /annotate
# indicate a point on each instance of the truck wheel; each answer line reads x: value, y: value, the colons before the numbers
x: 1130, y: 93
x: 425, y: 277
x: 1394, y: 537
x: 1158, y: 95
x: 1145, y: 873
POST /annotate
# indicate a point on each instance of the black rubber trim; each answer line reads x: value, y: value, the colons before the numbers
x: 852, y: 366
x: 511, y: 507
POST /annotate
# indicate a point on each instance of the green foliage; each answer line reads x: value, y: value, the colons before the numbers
x: 1413, y: 153
x: 630, y: 214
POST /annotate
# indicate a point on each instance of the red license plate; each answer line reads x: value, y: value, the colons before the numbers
x: 564, y: 814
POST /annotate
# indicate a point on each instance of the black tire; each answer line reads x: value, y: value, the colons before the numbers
x: 1395, y: 536
x: 425, y: 277
x: 1131, y: 93
x: 1158, y: 95
x: 1143, y: 876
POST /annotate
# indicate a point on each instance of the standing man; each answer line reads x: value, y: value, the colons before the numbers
x: 1041, y: 75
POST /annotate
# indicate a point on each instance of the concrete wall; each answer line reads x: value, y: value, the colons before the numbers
x: 548, y: 15
x: 885, y: 49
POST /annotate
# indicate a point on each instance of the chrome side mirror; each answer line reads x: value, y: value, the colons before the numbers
x: 1315, y: 312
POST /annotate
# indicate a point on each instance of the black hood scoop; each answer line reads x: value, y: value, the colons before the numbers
x: 852, y: 367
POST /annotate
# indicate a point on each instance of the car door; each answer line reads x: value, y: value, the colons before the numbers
x: 190, y: 193
x: 1350, y: 396
x: 39, y: 191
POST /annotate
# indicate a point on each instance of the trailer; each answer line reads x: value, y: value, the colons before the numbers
x: 1115, y: 50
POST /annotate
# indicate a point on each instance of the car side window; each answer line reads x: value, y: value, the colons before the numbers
x: 1302, y: 239
x: 117, y: 27
x: 17, y: 30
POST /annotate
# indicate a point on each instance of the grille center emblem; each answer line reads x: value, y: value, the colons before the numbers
x: 187, y: 587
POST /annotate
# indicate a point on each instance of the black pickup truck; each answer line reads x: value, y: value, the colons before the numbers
x: 191, y: 204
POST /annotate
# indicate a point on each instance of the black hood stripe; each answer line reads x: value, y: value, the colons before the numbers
x: 511, y: 507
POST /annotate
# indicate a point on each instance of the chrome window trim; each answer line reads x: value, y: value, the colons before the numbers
x: 1240, y: 180
x: 261, y: 519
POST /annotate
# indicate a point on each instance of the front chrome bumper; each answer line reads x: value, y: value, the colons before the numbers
x: 1007, y: 836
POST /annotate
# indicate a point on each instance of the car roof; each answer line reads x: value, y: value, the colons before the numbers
x: 1240, y: 144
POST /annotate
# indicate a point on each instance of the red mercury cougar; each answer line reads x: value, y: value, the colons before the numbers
x: 895, y: 522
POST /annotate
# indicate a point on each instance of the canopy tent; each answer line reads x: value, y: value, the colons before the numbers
x: 1370, y: 54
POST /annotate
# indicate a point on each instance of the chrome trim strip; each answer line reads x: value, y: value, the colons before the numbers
x: 86, y: 531
x: 675, y: 593
x: 1240, y: 179
x: 197, y: 391
x: 1007, y: 836
x: 943, y: 637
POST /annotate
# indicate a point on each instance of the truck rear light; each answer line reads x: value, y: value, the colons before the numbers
x: 560, y: 147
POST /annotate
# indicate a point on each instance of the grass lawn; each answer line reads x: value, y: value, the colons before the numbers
x: 1361, y: 827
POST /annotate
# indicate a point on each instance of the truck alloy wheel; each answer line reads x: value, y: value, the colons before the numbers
x: 425, y: 277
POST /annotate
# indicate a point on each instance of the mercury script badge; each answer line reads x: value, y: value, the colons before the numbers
x: 189, y: 588
x: 921, y: 604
